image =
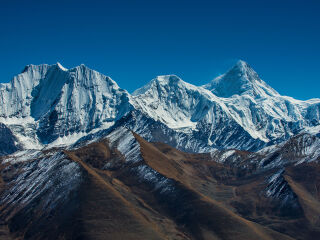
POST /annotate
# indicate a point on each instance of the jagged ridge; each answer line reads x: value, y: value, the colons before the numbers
x: 49, y: 104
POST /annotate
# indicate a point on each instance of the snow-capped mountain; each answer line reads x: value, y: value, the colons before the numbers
x: 235, y: 110
x: 194, y: 110
x: 241, y: 79
x: 263, y: 112
x: 49, y: 104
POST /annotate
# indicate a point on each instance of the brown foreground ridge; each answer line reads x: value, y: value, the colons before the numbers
x: 98, y: 192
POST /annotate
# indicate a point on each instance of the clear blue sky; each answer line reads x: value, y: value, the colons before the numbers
x: 133, y: 40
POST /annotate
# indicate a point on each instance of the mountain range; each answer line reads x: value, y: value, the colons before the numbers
x: 84, y: 159
x: 48, y: 104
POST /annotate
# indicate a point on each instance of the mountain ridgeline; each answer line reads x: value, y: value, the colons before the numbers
x: 48, y: 104
x: 81, y: 158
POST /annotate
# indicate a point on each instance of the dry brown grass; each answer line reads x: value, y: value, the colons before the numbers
x: 212, y: 216
x: 210, y: 202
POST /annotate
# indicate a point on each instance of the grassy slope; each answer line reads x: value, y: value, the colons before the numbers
x: 211, y: 202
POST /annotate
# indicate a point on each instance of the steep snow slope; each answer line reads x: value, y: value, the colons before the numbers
x: 191, y: 109
x: 240, y: 110
x: 259, y: 108
x: 173, y: 101
x: 16, y: 96
x: 194, y: 110
x: 239, y: 80
x: 176, y: 103
x: 60, y: 102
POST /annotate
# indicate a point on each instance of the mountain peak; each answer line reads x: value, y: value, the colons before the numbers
x: 162, y: 80
x: 61, y: 67
x: 242, y: 64
x: 167, y: 79
x: 243, y: 69
x: 41, y: 67
x: 241, y: 79
x: 32, y: 67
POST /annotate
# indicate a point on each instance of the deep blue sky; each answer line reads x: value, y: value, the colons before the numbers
x: 133, y: 40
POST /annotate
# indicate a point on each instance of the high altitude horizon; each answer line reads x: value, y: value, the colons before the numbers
x: 241, y: 63
x: 134, y: 41
x: 236, y: 110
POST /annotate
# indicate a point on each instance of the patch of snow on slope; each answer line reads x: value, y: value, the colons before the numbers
x: 278, y: 189
x: 51, y: 178
x: 23, y: 156
x: 126, y: 143
x: 159, y: 182
x: 222, y: 156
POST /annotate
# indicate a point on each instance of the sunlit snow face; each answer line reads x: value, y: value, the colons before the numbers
x: 54, y: 105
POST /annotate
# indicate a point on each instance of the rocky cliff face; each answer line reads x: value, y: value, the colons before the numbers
x: 8, y: 142
x: 61, y: 102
